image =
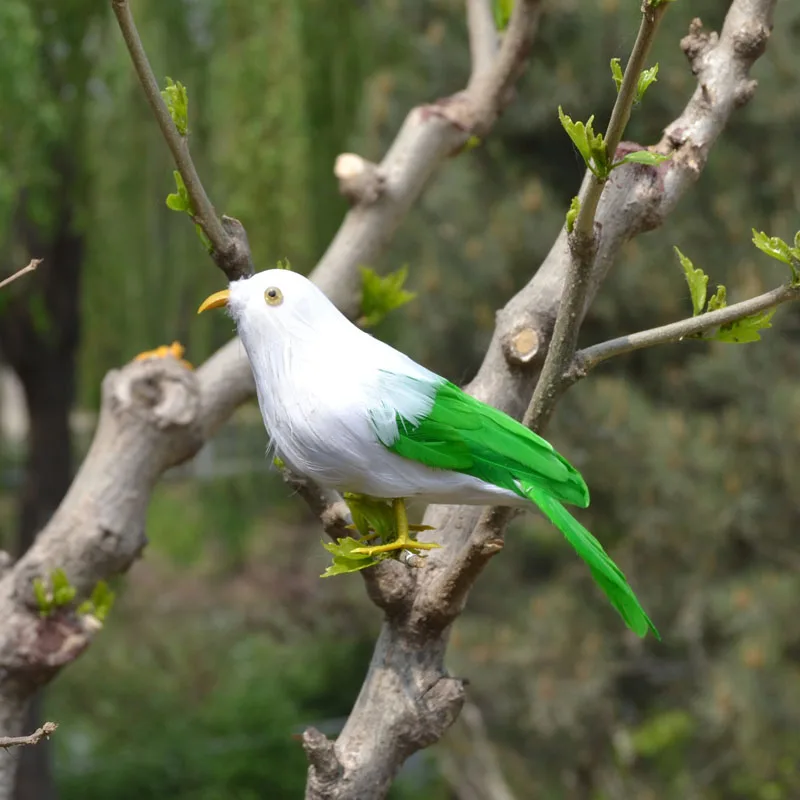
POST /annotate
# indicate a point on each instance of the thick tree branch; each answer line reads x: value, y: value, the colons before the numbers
x: 231, y: 251
x: 587, y: 359
x: 44, y: 732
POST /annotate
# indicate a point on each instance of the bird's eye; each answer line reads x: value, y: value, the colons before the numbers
x: 273, y: 296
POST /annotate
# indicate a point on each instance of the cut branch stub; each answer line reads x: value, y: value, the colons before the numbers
x: 324, y: 767
x: 360, y: 181
x: 522, y: 344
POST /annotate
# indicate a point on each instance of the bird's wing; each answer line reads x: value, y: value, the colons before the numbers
x: 459, y: 433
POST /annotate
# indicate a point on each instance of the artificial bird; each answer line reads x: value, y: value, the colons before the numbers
x: 357, y: 416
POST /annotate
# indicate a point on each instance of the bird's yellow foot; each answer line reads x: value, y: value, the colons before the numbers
x: 403, y: 540
x: 398, y: 544
x: 174, y: 350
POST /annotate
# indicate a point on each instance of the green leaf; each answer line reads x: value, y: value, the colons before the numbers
x: 201, y: 234
x: 63, y: 591
x: 572, y: 214
x: 776, y: 248
x: 344, y: 559
x: 371, y: 514
x: 745, y: 330
x: 43, y: 601
x: 616, y: 72
x: 283, y: 263
x: 102, y: 600
x: 380, y: 295
x: 577, y: 132
x: 179, y: 200
x: 719, y: 300
x: 502, y: 13
x: 698, y: 283
x: 176, y: 99
x: 773, y: 246
x: 590, y: 145
x: 176, y: 203
x: 646, y: 77
x: 643, y: 157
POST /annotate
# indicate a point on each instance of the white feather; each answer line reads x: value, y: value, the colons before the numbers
x: 326, y: 388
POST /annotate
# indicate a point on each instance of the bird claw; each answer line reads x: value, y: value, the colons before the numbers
x: 174, y: 350
x: 410, y: 545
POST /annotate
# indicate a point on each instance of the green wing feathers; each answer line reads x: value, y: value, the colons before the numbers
x: 464, y: 435
x: 605, y: 572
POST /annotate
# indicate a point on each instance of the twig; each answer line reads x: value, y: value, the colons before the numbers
x: 483, y: 38
x: 587, y: 359
x: 489, y: 89
x: 230, y: 250
x: 582, y: 241
x: 47, y: 729
x: 30, y: 267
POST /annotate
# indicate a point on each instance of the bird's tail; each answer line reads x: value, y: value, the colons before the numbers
x: 605, y: 572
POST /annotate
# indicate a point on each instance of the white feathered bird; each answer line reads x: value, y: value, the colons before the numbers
x: 355, y: 415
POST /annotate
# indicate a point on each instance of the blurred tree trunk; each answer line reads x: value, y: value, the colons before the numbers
x: 39, y: 333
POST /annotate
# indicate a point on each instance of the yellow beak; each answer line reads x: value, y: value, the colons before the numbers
x: 214, y: 301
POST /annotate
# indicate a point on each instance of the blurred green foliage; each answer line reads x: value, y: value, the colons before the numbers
x: 224, y: 641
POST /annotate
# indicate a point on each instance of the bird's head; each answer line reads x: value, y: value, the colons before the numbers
x: 276, y: 302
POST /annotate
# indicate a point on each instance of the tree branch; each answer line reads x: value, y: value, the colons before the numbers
x: 429, y: 135
x: 44, y: 732
x: 582, y: 242
x: 590, y: 357
x: 483, y: 37
x: 30, y: 267
x: 231, y: 251
x: 638, y: 199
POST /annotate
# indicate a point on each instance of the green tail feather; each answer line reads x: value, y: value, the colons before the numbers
x: 605, y: 572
